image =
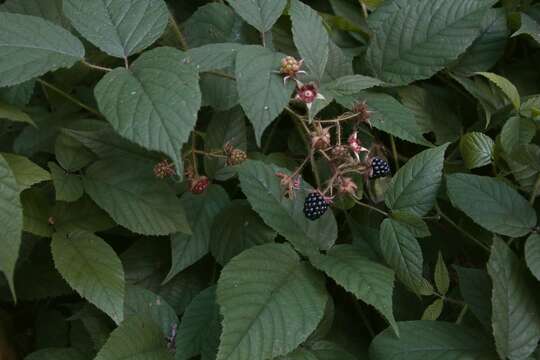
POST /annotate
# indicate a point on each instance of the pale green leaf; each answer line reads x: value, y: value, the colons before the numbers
x: 134, y: 198
x: 31, y: 46
x: 119, y: 28
x: 414, y: 187
x: 434, y: 310
x: 13, y: 113
x: 515, y: 132
x: 201, y: 212
x: 310, y: 37
x: 237, y: 228
x: 515, y: 319
x: 442, y: 279
x: 56, y: 354
x: 476, y: 149
x: 200, y: 317
x: 413, y: 223
x: 488, y: 48
x: 68, y: 187
x: 367, y: 280
x: 532, y: 254
x: 143, y: 302
x: 25, y: 171
x: 154, y: 103
x: 350, y: 85
x: 413, y: 40
x: 402, y: 253
x: 506, y: 87
x: 262, y: 189
x: 271, y: 302
x: 92, y: 268
x: 137, y: 338
x: 492, y: 204
x: 261, y: 14
x: 530, y: 27
x: 11, y: 221
x: 389, y: 115
x: 431, y: 340
x: 263, y: 95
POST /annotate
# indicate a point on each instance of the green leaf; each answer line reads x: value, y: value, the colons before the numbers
x: 197, y: 323
x: 11, y: 221
x: 488, y: 48
x: 442, y: 280
x: 414, y: 187
x: 506, y: 87
x: 476, y: 149
x: 92, y: 268
x: 263, y: 191
x: 203, y: 208
x: 136, y: 338
x: 55, y: 354
x: 134, y: 198
x: 437, y: 32
x: 515, y: 132
x: 350, y: 85
x: 431, y: 340
x: 13, y: 113
x: 120, y: 28
x: 261, y: 14
x: 68, y: 187
x: 142, y: 302
x: 47, y: 9
x: 83, y: 214
x: 213, y: 56
x: 320, y: 350
x: 530, y: 27
x: 434, y: 111
x: 31, y: 46
x: 262, y: 93
x: 402, y: 253
x: 475, y: 287
x: 18, y: 95
x: 271, y: 302
x: 532, y: 254
x: 434, y: 310
x: 515, y: 319
x: 413, y: 223
x: 237, y: 228
x: 71, y: 154
x: 367, y: 280
x: 25, y: 171
x: 492, y: 204
x: 390, y: 116
x: 310, y: 37
x: 154, y: 103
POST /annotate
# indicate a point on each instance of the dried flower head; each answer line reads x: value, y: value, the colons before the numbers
x: 320, y: 138
x: 289, y: 184
x: 355, y: 145
x: 361, y: 109
x: 346, y: 185
x: 164, y: 169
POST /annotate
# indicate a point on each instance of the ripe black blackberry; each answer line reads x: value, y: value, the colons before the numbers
x: 379, y: 168
x: 315, y: 206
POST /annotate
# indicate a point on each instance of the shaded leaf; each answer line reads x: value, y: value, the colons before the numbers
x: 475, y: 287
x: 434, y: 310
x: 68, y: 187
x: 25, y: 171
x: 476, y: 149
x: 442, y: 279
x: 13, y: 113
x: 515, y: 132
x: 532, y: 254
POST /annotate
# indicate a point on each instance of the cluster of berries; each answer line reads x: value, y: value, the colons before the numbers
x: 197, y: 184
x: 345, y: 158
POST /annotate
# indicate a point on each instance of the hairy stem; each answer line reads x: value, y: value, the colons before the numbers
x: 178, y: 33
x: 69, y: 97
x: 461, y: 230
x: 95, y: 67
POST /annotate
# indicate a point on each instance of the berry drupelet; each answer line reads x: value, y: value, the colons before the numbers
x: 315, y: 206
x: 379, y: 168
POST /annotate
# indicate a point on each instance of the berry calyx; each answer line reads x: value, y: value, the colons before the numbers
x: 379, y: 168
x: 199, y: 185
x: 315, y: 205
x: 164, y: 169
x: 320, y: 138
